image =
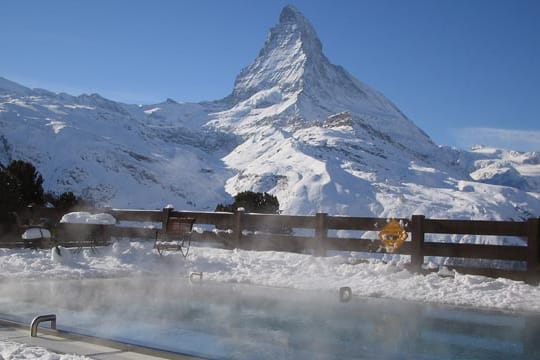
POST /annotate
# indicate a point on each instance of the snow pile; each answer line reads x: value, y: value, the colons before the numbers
x: 36, y: 233
x: 373, y: 278
x: 83, y: 217
x: 62, y: 255
x: 13, y: 350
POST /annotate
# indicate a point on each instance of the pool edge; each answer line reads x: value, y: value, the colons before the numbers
x: 97, y: 341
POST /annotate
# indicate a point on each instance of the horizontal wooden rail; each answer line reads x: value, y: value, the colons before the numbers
x: 360, y: 223
x: 353, y: 244
x: 278, y: 221
x: 137, y: 215
x: 213, y: 218
x: 276, y: 242
x: 475, y: 227
x: 476, y: 251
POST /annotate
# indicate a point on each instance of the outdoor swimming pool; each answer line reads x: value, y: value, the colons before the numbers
x: 232, y: 321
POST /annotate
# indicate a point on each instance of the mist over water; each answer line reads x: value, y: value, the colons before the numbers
x: 233, y: 321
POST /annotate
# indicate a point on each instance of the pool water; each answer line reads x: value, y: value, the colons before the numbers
x: 232, y: 321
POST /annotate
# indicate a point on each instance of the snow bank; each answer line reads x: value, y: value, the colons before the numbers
x: 87, y: 218
x: 13, y: 350
x: 373, y: 278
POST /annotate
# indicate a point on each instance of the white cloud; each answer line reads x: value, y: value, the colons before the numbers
x: 521, y: 140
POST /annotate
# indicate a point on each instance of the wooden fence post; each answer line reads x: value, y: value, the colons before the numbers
x: 417, y: 239
x: 533, y: 251
x: 321, y: 233
x: 165, y: 219
x: 238, y: 227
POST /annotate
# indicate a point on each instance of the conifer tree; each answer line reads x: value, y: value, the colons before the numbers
x: 29, y: 180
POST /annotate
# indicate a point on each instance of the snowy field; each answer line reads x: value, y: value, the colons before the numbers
x: 277, y: 269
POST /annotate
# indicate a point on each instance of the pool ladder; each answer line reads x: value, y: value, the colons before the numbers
x: 38, y: 320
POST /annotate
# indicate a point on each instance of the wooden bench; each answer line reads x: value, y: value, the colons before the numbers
x: 83, y: 236
x: 175, y: 235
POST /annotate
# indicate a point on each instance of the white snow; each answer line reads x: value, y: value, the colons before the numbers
x: 83, y: 217
x: 36, y: 233
x: 374, y: 278
x: 278, y: 269
x: 295, y: 126
x: 57, y: 126
x: 14, y: 350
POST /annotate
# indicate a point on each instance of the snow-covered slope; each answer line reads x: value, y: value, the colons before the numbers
x: 295, y: 125
x: 116, y: 154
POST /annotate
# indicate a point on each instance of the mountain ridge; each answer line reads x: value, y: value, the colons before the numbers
x: 294, y: 125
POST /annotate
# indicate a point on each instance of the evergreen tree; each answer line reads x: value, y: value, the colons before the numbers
x: 10, y: 196
x: 263, y: 203
x: 29, y: 181
x: 66, y: 201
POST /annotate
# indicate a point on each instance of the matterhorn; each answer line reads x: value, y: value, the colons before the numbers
x: 295, y: 125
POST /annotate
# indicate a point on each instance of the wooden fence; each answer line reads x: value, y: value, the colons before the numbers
x: 273, y: 232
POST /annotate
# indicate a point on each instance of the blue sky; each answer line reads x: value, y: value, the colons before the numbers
x: 465, y: 71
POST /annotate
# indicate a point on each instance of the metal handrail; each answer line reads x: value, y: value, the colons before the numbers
x: 39, y: 319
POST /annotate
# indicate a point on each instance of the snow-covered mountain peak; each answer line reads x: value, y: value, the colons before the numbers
x: 291, y: 21
x: 292, y: 85
x: 289, y: 47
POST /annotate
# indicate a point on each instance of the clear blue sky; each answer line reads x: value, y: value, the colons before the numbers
x: 465, y: 71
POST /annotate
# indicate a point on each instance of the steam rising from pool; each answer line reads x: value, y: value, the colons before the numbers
x: 245, y: 322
